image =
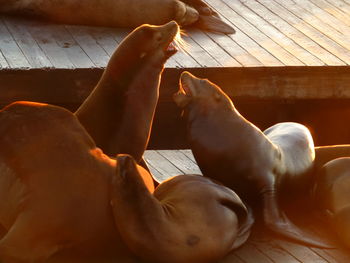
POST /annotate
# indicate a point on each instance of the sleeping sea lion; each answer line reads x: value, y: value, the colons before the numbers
x: 56, y: 189
x: 119, y: 112
x: 188, y: 218
x: 120, y: 13
x: 332, y: 196
x: 254, y: 164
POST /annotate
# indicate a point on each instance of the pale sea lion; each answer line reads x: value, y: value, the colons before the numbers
x: 254, y: 164
x: 331, y: 194
x: 119, y: 112
x: 56, y: 189
x: 120, y: 13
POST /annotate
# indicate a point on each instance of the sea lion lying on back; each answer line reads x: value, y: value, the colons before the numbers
x: 55, y: 193
x: 121, y: 13
x: 256, y: 165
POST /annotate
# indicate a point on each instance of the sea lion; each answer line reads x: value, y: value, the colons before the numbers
x: 188, y: 218
x: 332, y: 196
x: 56, y: 189
x: 121, y: 13
x: 118, y: 113
x: 254, y: 164
x: 324, y: 154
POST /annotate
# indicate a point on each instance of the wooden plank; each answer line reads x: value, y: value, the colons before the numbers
x: 336, y: 25
x: 277, y: 36
x: 44, y: 37
x: 181, y: 161
x: 275, y: 253
x: 165, y: 168
x: 278, y: 8
x: 231, y: 258
x: 73, y: 51
x: 319, y: 55
x: 235, y: 51
x: 8, y: 46
x: 30, y: 49
x: 333, y: 10
x: 341, y: 5
x: 213, y: 49
x: 325, y: 23
x: 244, y: 40
x: 198, y: 53
x: 97, y: 54
x: 189, y: 154
x: 249, y: 254
x: 3, y: 62
x: 262, y: 39
x: 302, y: 253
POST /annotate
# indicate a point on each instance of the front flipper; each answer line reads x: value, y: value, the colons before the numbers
x: 277, y: 221
x: 167, y: 226
x: 26, y: 242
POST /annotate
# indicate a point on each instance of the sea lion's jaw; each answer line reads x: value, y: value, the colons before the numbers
x: 169, y: 31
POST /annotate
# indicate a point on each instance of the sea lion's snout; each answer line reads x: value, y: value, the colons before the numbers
x: 187, y: 89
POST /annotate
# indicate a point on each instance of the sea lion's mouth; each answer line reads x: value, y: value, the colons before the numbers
x: 171, y: 49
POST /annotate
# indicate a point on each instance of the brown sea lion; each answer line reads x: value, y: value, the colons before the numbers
x: 325, y: 154
x: 256, y: 165
x: 188, y: 218
x: 119, y: 112
x: 120, y: 13
x: 55, y: 192
x: 332, y: 195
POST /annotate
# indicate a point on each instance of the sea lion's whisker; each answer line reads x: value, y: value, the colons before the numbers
x: 179, y: 42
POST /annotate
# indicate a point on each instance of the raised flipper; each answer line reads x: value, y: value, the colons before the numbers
x: 167, y: 226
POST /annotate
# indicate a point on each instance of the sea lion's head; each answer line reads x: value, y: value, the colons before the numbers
x: 147, y: 43
x: 196, y: 92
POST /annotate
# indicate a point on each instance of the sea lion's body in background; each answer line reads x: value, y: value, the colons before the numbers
x: 56, y: 200
x: 256, y: 165
x: 119, y: 112
x: 331, y: 194
x: 120, y: 13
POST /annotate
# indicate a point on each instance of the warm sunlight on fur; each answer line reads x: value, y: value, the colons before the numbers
x: 179, y: 42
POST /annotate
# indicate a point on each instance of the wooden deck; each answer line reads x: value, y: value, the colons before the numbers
x: 270, y: 33
x: 288, y: 61
x: 261, y: 247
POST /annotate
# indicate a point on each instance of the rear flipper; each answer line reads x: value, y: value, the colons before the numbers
x: 168, y: 225
x: 276, y: 221
x: 213, y: 24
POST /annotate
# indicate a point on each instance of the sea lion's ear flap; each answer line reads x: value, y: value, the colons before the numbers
x: 181, y: 99
x: 214, y: 24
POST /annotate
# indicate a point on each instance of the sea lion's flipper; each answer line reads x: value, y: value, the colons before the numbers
x: 277, y: 222
x: 213, y: 24
x: 245, y: 228
x: 21, y: 244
